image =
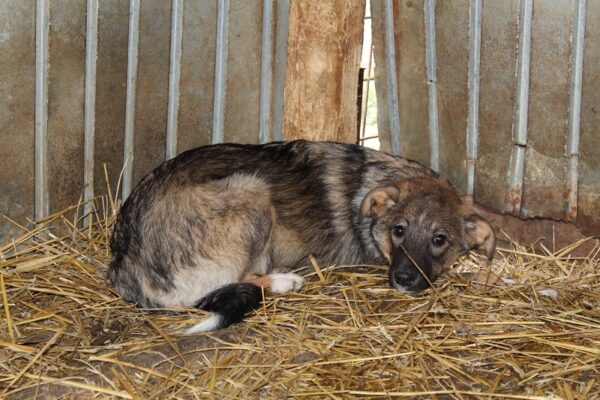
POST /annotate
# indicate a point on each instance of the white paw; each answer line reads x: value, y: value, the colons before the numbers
x: 283, y: 283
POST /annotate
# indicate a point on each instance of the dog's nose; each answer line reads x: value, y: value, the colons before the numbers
x: 404, y: 279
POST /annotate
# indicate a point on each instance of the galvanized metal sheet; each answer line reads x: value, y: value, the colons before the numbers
x: 281, y: 23
x: 452, y: 35
x: 545, y: 164
x: 197, y: 74
x: 17, y: 46
x: 113, y: 17
x: 243, y: 72
x: 152, y: 87
x: 412, y: 79
x: 497, y: 100
x: 66, y: 102
x: 588, y: 214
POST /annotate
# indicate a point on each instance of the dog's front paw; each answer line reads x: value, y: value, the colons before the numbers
x: 283, y: 283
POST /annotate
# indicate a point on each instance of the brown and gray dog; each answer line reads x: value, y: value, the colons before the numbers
x: 207, y: 228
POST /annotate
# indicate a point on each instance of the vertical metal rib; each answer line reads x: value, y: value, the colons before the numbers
x: 517, y: 167
x: 578, y: 33
x: 390, y: 61
x: 220, y: 71
x: 91, y: 42
x: 475, y: 15
x: 41, y: 208
x: 265, y: 74
x: 174, y: 74
x: 283, y: 12
x: 132, y: 62
x: 431, y: 63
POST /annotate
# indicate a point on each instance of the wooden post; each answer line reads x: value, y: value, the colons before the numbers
x: 324, y: 50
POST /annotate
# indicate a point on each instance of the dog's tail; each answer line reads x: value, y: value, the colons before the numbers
x: 228, y: 305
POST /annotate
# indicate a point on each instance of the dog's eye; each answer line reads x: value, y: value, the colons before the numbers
x: 439, y: 240
x: 398, y: 231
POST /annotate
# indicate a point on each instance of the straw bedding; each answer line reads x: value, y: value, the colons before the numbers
x: 528, y: 330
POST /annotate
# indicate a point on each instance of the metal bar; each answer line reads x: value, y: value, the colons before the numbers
x: 41, y: 208
x: 359, y: 103
x: 174, y: 77
x: 431, y: 64
x: 369, y: 137
x: 475, y: 15
x: 577, y: 51
x: 132, y: 62
x: 517, y: 168
x: 91, y: 46
x: 266, y: 67
x: 365, y: 102
x: 283, y: 12
x: 218, y: 134
x: 390, y: 58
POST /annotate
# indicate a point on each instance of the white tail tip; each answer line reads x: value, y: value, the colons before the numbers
x: 212, y: 322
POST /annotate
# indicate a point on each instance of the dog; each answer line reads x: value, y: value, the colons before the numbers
x: 211, y: 227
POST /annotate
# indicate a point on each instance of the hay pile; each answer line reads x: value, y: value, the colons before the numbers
x: 533, y: 334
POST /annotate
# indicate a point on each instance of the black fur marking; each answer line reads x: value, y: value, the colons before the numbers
x: 232, y: 302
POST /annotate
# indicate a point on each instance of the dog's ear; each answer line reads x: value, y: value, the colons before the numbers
x: 378, y: 201
x: 479, y: 233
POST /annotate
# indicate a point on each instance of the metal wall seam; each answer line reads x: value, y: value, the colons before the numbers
x: 218, y: 133
x: 282, y: 30
x: 41, y: 197
x: 91, y: 47
x: 266, y: 66
x: 390, y: 58
x: 174, y: 77
x: 577, y: 51
x: 516, y: 173
x: 475, y: 17
x: 132, y: 64
x: 431, y: 65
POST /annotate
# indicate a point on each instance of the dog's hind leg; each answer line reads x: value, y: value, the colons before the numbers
x: 277, y: 283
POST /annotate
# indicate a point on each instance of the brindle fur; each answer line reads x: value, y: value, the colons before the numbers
x: 217, y: 214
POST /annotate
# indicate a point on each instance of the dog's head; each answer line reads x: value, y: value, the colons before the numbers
x: 421, y: 226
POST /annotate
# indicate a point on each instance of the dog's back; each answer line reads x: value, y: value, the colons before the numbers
x: 313, y: 186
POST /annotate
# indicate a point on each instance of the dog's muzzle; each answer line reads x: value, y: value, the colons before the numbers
x: 404, y: 275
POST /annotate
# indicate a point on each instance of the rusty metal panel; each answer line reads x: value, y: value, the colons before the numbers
x: 452, y: 35
x: 65, y: 102
x: 243, y: 72
x: 589, y: 178
x: 545, y: 164
x: 197, y: 74
x: 497, y: 102
x: 113, y: 16
x: 17, y: 46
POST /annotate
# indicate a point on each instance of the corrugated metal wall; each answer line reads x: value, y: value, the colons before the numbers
x: 512, y: 69
x: 475, y: 91
x: 157, y: 78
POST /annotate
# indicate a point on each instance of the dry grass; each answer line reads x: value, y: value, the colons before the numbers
x: 64, y: 334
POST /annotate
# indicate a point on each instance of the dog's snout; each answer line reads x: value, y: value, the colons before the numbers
x: 404, y: 278
x: 409, y: 271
